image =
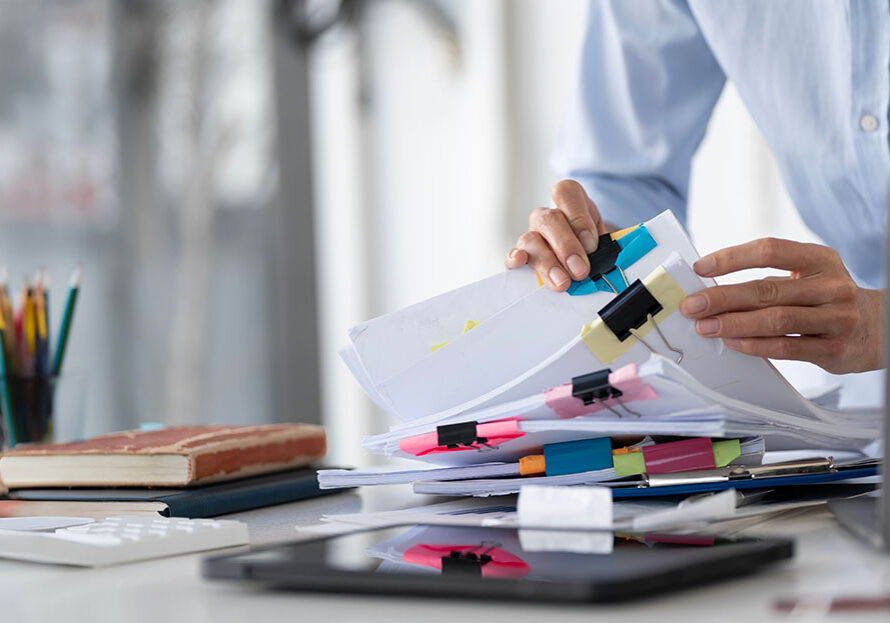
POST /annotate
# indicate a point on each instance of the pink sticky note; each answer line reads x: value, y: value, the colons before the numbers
x: 496, y: 432
x: 679, y: 456
x: 499, y: 564
x: 625, y: 379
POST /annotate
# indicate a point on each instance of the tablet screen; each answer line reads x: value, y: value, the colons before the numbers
x: 528, y: 556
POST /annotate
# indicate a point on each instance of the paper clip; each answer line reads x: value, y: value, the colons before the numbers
x: 630, y: 311
x: 595, y: 386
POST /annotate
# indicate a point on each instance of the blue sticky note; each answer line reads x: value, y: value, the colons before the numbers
x: 634, y: 246
x: 574, y: 457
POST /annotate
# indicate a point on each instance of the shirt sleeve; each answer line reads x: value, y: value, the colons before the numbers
x: 647, y: 85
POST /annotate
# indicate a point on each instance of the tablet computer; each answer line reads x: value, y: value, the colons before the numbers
x: 499, y: 563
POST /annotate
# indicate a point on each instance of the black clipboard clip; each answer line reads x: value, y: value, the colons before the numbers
x: 630, y: 311
x: 595, y: 386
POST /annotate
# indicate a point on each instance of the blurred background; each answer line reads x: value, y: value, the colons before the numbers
x: 243, y: 180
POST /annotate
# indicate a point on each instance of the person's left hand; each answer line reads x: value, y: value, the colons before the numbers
x: 817, y: 314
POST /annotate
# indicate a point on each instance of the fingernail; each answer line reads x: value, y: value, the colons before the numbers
x: 694, y: 304
x: 588, y: 241
x: 705, y: 266
x: 578, y: 267
x: 558, y: 276
x: 732, y: 341
x: 708, y: 326
x: 512, y: 253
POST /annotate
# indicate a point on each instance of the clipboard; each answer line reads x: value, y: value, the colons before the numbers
x: 811, y: 478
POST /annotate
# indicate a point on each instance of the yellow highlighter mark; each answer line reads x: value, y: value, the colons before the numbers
x: 469, y: 324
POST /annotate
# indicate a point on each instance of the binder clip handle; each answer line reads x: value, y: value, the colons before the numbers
x: 603, y: 260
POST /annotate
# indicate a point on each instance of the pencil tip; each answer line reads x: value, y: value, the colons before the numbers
x: 75, y: 278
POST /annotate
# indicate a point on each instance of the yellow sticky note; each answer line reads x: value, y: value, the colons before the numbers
x: 606, y: 345
x: 623, y: 232
x: 436, y: 347
x: 469, y: 324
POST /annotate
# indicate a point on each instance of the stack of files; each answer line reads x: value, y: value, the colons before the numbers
x: 482, y: 377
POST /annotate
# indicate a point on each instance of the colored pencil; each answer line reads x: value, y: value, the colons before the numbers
x: 4, y: 387
x: 67, y: 317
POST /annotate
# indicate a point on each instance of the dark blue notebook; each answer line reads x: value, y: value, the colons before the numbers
x: 202, y: 501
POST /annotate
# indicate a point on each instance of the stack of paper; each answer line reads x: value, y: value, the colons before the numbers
x: 497, y: 379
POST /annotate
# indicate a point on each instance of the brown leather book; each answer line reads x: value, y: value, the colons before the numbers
x: 180, y: 456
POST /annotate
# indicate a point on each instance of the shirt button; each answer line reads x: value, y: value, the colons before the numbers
x: 869, y: 123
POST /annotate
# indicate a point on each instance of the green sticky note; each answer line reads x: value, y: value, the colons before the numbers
x: 629, y: 464
x: 726, y: 451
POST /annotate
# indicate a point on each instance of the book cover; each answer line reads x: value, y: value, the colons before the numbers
x: 179, y: 456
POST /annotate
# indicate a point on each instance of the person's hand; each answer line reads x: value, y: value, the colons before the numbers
x: 558, y: 240
x: 817, y: 314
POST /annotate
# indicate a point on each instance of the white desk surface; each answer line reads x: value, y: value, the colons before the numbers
x: 828, y: 563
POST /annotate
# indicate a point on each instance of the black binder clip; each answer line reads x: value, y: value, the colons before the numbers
x: 630, y: 310
x: 461, y: 434
x: 594, y: 387
x: 468, y: 562
x: 604, y: 259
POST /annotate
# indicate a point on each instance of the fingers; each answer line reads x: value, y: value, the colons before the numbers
x: 768, y: 293
x: 542, y: 259
x: 777, y: 321
x: 580, y: 212
x: 798, y: 257
x: 516, y: 258
x: 818, y: 350
x: 556, y: 231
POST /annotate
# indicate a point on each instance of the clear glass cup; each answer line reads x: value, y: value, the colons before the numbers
x: 43, y: 409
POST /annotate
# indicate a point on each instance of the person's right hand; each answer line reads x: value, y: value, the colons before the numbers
x: 558, y: 240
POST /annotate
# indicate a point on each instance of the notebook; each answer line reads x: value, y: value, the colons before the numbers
x: 171, y: 457
x: 203, y: 501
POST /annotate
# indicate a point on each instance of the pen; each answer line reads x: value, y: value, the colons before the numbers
x: 67, y: 317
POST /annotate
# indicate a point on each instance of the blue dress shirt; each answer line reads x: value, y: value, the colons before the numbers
x: 815, y: 77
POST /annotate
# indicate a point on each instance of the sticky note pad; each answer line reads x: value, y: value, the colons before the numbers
x: 726, y: 451
x: 679, y: 456
x: 629, y: 464
x: 574, y: 457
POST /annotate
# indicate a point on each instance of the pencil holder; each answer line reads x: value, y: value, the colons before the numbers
x: 42, y: 409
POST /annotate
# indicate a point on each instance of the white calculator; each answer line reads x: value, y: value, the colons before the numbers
x: 116, y: 540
